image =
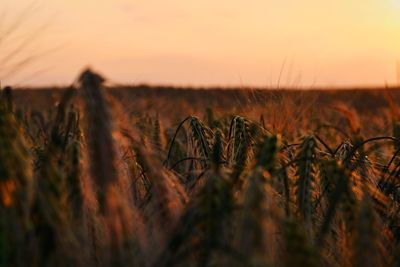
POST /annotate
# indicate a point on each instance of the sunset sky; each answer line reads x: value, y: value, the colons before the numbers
x: 208, y: 42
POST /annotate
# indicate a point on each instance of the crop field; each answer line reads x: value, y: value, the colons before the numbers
x: 156, y: 177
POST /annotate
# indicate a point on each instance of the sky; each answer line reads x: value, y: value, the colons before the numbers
x: 287, y: 43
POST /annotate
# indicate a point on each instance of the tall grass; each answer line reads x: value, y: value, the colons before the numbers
x: 87, y: 183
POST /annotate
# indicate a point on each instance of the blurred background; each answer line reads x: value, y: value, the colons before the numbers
x: 267, y: 43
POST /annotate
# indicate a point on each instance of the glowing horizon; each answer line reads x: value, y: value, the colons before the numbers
x: 227, y: 43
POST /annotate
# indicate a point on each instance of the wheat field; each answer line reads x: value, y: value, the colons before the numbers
x: 92, y: 178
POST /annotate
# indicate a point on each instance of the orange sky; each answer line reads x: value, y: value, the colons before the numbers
x: 208, y: 42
